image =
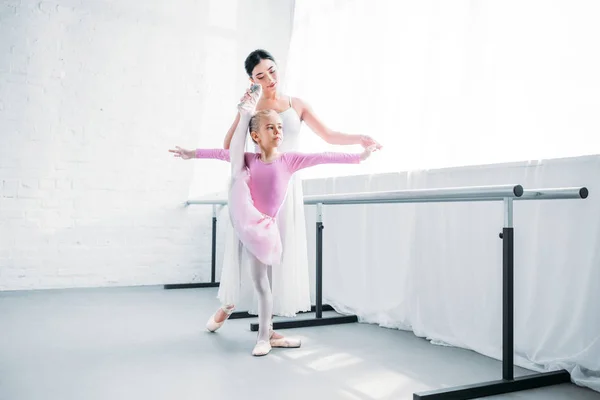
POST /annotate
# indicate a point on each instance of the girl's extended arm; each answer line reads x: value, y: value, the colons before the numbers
x: 219, y: 154
x: 297, y: 161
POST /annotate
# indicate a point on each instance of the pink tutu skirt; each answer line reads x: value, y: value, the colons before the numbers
x: 258, y: 232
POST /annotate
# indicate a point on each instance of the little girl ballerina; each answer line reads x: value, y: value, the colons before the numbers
x: 258, y: 189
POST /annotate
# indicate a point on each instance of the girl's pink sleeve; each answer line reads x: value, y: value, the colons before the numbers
x: 297, y: 161
x: 220, y: 154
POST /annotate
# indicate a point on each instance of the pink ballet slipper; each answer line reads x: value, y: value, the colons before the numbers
x: 212, y: 325
x: 288, y: 343
x: 283, y: 341
x: 262, y: 348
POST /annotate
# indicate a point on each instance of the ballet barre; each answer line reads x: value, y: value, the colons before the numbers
x: 507, y: 194
x: 504, y: 193
x: 420, y: 195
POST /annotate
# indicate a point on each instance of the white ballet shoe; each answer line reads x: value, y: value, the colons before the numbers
x: 248, y: 106
x: 213, y: 325
x: 285, y: 342
x: 262, y: 348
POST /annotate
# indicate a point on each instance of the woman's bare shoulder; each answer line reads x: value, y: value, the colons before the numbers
x: 300, y: 105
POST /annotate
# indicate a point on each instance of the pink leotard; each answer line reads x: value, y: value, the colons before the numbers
x: 269, y: 181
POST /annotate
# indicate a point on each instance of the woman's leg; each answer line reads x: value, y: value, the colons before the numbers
x: 290, y: 279
x: 219, y: 317
x: 224, y: 312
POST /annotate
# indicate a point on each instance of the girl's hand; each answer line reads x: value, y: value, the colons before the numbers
x: 183, y: 153
x: 368, y: 152
x: 367, y: 141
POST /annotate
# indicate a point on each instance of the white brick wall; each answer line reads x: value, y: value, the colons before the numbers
x: 92, y: 94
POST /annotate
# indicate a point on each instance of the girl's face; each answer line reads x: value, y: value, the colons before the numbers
x: 265, y: 73
x: 270, y: 131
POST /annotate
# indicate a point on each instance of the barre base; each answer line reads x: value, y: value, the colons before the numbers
x: 493, y: 388
x: 303, y: 323
x: 191, y: 285
x: 245, y: 314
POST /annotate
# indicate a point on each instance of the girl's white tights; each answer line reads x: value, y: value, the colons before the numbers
x: 260, y: 278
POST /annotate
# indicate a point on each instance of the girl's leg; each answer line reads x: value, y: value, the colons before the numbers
x: 238, y: 140
x: 265, y: 306
x: 252, y: 227
x: 238, y: 166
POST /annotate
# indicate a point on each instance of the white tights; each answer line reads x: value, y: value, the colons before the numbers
x: 259, y: 272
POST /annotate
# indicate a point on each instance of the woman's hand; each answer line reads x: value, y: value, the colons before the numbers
x: 183, y: 153
x: 368, y: 141
x: 365, y: 154
x: 246, y: 96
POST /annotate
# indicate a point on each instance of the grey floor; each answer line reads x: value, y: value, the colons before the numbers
x: 150, y: 343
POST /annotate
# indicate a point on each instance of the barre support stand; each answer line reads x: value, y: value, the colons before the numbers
x: 508, y: 383
x: 319, y: 307
x: 213, y: 265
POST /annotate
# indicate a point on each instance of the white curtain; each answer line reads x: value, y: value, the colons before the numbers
x: 445, y: 83
x: 442, y: 84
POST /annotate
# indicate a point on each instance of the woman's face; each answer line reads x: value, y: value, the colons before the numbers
x: 265, y: 74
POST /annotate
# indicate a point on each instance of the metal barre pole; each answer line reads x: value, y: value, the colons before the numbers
x: 508, y: 292
x: 208, y: 201
x: 319, y: 264
x: 213, y: 258
x: 556, y: 193
x: 458, y: 194
x: 496, y: 192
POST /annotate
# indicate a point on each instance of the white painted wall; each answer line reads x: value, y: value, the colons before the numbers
x: 92, y: 94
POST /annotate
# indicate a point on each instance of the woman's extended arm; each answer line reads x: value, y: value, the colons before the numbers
x: 328, y: 135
